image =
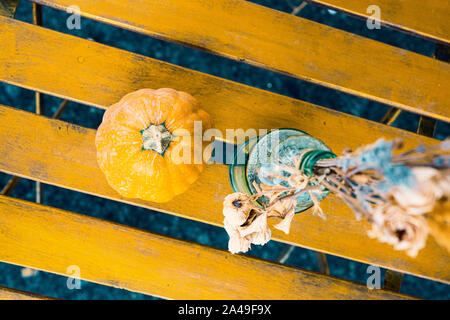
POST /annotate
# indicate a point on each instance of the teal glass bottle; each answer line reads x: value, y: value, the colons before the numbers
x: 255, y: 159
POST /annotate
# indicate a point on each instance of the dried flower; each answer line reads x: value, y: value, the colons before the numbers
x: 258, y: 232
x: 422, y: 197
x: 394, y: 192
x: 404, y: 196
x: 237, y: 243
x: 244, y: 223
x: 393, y: 225
x: 241, y: 237
x: 281, y: 207
x: 236, y: 208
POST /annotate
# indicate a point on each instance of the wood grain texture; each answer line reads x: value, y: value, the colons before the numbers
x: 97, y: 75
x: 13, y: 294
x: 426, y: 18
x: 8, y: 7
x: 284, y: 43
x: 52, y: 240
x: 63, y: 154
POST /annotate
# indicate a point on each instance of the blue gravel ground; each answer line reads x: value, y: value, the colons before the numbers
x: 53, y: 285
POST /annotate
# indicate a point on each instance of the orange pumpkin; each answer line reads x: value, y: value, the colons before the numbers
x: 139, y: 145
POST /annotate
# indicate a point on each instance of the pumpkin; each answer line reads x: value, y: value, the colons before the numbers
x: 139, y: 144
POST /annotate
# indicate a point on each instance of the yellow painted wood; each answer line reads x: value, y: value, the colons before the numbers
x: 63, y: 154
x: 428, y: 18
x: 52, y: 240
x: 294, y: 46
x: 97, y: 75
x: 13, y: 294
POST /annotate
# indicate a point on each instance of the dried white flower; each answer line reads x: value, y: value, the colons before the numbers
x: 431, y: 185
x: 241, y: 237
x: 237, y: 243
x: 285, y: 209
x: 281, y: 207
x: 258, y: 232
x: 393, y: 225
x: 236, y: 208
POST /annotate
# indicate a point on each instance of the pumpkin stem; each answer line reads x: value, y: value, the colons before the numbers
x: 156, y: 138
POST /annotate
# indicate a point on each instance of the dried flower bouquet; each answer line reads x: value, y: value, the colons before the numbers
x: 404, y: 196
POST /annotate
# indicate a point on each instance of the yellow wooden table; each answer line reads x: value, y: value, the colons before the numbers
x: 39, y: 236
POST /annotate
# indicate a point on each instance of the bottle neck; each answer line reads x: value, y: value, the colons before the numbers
x: 310, y: 158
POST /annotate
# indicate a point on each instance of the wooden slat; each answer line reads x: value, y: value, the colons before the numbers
x: 426, y: 126
x: 8, y: 7
x: 13, y: 294
x: 97, y: 75
x: 12, y: 182
x: 294, y: 46
x: 393, y: 280
x: 390, y: 116
x: 9, y: 186
x: 52, y: 240
x: 63, y: 154
x: 38, y: 97
x: 428, y: 18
